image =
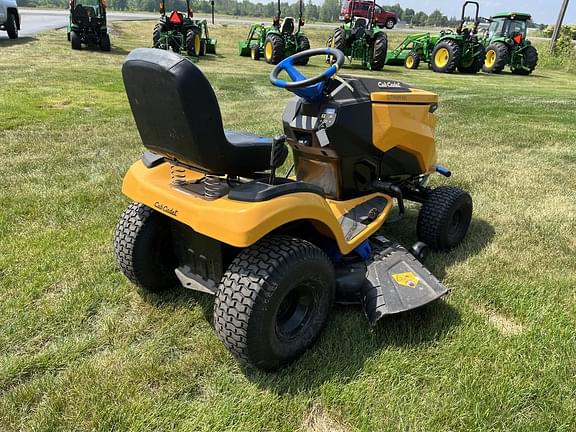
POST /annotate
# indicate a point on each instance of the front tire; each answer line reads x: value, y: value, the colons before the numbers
x: 444, y: 218
x: 380, y: 50
x: 530, y: 61
x: 156, y: 35
x: 497, y: 57
x: 445, y: 57
x: 75, y: 40
x: 274, y: 300
x: 274, y: 49
x: 143, y: 248
x: 193, y: 43
x: 105, y: 42
x: 412, y: 60
x: 11, y: 27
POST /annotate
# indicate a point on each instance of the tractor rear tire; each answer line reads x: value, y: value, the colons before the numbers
x: 303, y: 45
x: 274, y: 300
x: 105, y: 42
x: 255, y: 52
x: 274, y: 49
x: 476, y: 65
x: 497, y: 57
x: 143, y: 248
x: 444, y: 218
x: 530, y: 61
x: 193, y: 43
x: 412, y: 60
x: 445, y: 57
x: 336, y: 41
x: 11, y: 27
x: 75, y: 41
x: 380, y: 50
x: 156, y: 36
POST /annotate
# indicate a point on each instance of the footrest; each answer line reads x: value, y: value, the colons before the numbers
x: 397, y: 282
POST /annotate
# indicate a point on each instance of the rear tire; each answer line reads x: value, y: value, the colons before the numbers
x: 274, y: 49
x: 380, y: 50
x: 476, y: 63
x: 274, y: 300
x: 412, y: 60
x: 193, y: 43
x: 156, y: 36
x: 105, y: 42
x: 444, y: 218
x: 11, y: 27
x: 530, y: 61
x: 497, y: 57
x: 303, y: 45
x: 445, y: 57
x: 143, y: 248
x: 75, y: 41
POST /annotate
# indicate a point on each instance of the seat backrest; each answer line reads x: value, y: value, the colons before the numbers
x: 360, y: 23
x: 176, y: 110
x: 287, y: 25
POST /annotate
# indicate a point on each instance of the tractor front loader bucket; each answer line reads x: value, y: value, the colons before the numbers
x: 397, y: 282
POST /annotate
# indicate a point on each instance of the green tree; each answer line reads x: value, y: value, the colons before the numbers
x: 420, y: 19
x: 408, y: 15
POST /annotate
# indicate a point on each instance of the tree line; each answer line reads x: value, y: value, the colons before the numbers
x: 328, y: 11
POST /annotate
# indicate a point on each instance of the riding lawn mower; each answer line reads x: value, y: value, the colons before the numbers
x: 210, y: 213
x: 183, y: 33
x: 87, y: 24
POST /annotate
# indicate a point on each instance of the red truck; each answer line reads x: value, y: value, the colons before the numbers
x: 361, y: 8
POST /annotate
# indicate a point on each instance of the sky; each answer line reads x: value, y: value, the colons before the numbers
x: 542, y: 11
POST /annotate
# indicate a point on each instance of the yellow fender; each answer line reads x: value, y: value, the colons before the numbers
x: 239, y: 223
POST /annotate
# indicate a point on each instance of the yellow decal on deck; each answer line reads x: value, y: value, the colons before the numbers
x: 407, y: 279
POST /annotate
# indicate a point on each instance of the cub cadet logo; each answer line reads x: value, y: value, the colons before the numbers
x: 165, y: 208
x: 389, y: 84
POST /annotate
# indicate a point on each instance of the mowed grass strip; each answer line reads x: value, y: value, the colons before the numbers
x: 81, y: 350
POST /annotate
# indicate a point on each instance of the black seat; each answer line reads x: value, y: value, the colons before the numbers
x: 177, y: 115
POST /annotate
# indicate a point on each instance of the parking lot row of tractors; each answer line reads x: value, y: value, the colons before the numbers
x: 360, y: 37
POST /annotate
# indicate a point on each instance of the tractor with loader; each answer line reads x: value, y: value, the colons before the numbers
x: 276, y: 42
x: 180, y: 32
x: 360, y: 39
x: 445, y: 52
x: 507, y: 44
x: 209, y: 211
x: 87, y: 24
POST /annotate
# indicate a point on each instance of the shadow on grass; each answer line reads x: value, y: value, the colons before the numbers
x: 20, y: 41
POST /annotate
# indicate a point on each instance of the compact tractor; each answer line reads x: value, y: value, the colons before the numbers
x: 210, y: 213
x: 276, y: 42
x: 507, y: 45
x: 359, y: 38
x: 444, y: 52
x: 87, y: 24
x: 181, y: 32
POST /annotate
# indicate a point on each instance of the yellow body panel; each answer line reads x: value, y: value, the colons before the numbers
x: 239, y: 223
x: 404, y: 121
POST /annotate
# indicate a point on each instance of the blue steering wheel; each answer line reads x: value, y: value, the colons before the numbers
x: 308, y: 88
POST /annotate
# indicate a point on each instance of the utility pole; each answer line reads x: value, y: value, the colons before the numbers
x: 558, y: 24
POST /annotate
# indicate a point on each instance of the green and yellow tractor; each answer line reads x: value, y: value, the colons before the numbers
x: 360, y: 39
x: 507, y: 45
x: 460, y: 49
x: 87, y: 24
x: 278, y: 41
x: 181, y: 32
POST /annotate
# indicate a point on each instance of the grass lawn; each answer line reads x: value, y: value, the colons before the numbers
x: 81, y: 350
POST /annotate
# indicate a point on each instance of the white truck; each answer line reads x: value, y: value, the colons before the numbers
x: 9, y: 18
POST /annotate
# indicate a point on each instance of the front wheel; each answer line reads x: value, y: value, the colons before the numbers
x: 444, y: 218
x: 412, y: 60
x: 105, y: 42
x: 11, y: 26
x: 143, y: 248
x: 274, y: 300
x: 274, y: 49
x: 75, y: 40
x: 497, y: 57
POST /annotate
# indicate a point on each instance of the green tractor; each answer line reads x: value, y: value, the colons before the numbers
x: 460, y: 49
x: 276, y: 42
x: 183, y: 33
x: 87, y: 24
x: 360, y: 39
x: 507, y: 45
x: 413, y: 50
